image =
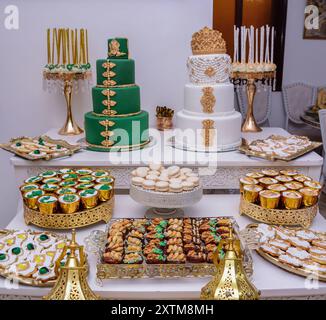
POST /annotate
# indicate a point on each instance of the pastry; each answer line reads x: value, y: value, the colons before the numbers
x: 196, y: 257
x: 298, y: 253
x: 271, y: 250
x: 154, y: 173
x: 162, y: 186
x: 173, y: 234
x: 255, y: 175
x: 175, y: 180
x: 319, y: 243
x: 314, y: 267
x: 291, y: 200
x: 290, y: 173
x: 113, y: 257
x: 175, y: 241
x: 317, y: 250
x: 290, y: 260
x: 137, y: 181
x: 153, y: 258
x: 132, y: 258
x: 152, y: 177
x: 299, y: 243
x: 284, y: 179
x: 306, y: 235
x: 176, y: 257
x: 100, y: 173
x: 270, y: 172
x: 283, y: 245
x: 187, y: 186
x: 173, y: 171
x: 175, y: 187
x: 184, y: 171
x: 142, y: 172
x: 294, y: 185
x: 319, y: 258
x: 174, y: 249
x: 149, y: 184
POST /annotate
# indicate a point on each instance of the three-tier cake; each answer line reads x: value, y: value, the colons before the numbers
x: 209, y: 121
x: 117, y: 121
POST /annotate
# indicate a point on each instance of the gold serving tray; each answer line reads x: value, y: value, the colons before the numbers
x: 71, y: 148
x: 301, y: 217
x: 60, y: 221
x: 244, y: 148
x: 275, y: 261
x: 25, y: 280
x: 168, y: 270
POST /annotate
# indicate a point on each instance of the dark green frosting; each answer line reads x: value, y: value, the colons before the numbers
x: 126, y: 100
x: 131, y: 130
x: 118, y: 48
x: 123, y: 69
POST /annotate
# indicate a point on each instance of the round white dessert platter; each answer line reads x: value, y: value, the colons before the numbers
x: 166, y: 203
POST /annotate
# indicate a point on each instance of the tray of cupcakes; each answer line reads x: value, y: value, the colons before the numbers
x: 29, y: 257
x: 280, y: 197
x: 165, y: 189
x: 164, y: 248
x: 68, y: 198
x: 299, y: 251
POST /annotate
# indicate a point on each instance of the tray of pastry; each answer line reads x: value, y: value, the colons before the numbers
x: 278, y: 147
x: 164, y: 248
x: 29, y: 257
x: 299, y: 251
x: 41, y: 147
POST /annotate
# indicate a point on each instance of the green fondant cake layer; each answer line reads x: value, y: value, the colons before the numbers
x: 118, y: 48
x: 116, y: 101
x: 103, y: 132
x: 115, y: 72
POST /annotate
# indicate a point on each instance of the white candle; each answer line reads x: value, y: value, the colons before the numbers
x: 245, y: 45
x: 238, y: 51
x: 257, y: 42
x: 267, y: 44
x: 262, y: 33
x: 235, y: 44
x: 272, y: 54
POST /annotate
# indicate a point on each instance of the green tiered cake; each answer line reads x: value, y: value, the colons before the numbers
x: 116, y: 122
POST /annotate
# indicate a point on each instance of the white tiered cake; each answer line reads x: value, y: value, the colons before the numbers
x: 209, y: 121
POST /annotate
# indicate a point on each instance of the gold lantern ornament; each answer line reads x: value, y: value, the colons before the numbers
x: 72, y: 277
x: 230, y: 281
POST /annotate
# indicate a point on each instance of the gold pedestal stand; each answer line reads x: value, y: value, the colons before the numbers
x: 250, y: 124
x: 70, y: 127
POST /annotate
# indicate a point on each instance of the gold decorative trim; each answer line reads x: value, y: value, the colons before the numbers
x: 108, y: 112
x: 108, y: 93
x: 102, y: 212
x: 210, y: 72
x: 116, y: 86
x: 109, y: 103
x: 114, y: 49
x: 109, y: 83
x: 208, y: 132
x: 114, y: 115
x: 208, y: 100
x: 108, y: 65
x: 107, y: 134
x: 120, y: 147
x: 109, y: 74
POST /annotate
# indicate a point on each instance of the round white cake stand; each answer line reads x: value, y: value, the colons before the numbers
x: 163, y: 204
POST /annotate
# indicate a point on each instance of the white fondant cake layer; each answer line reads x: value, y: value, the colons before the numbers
x: 210, y: 69
x: 217, y: 99
x: 225, y: 133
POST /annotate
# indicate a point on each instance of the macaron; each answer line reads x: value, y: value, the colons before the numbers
x: 175, y: 187
x: 194, y: 180
x: 192, y: 174
x: 142, y: 172
x: 187, y: 186
x: 173, y: 171
x: 134, y: 173
x: 175, y: 180
x: 149, y: 184
x: 163, y: 177
x: 152, y: 177
x: 162, y: 186
x: 185, y: 170
x: 137, y: 181
x: 154, y: 173
x: 155, y: 166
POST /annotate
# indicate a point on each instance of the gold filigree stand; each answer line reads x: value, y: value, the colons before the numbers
x: 250, y: 124
x: 70, y: 127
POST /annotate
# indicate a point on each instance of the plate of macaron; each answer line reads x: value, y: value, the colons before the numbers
x: 165, y: 187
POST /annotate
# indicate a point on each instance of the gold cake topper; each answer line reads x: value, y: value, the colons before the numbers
x: 115, y: 49
x: 208, y: 41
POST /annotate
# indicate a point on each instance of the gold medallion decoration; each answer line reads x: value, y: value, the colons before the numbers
x: 109, y: 102
x: 208, y: 132
x: 109, y: 83
x: 107, y: 134
x: 108, y: 65
x: 208, y: 41
x: 109, y: 74
x: 210, y: 72
x: 208, y: 100
x: 114, y: 47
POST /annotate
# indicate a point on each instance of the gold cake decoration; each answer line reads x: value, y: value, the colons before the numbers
x: 109, y: 83
x: 210, y: 72
x: 108, y: 65
x: 109, y: 103
x: 208, y: 41
x: 114, y: 47
x: 208, y: 132
x: 109, y: 74
x: 107, y: 133
x: 108, y: 93
x: 208, y: 100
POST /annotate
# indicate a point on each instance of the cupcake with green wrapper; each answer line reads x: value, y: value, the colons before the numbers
x: 28, y: 187
x: 105, y: 192
x: 67, y: 190
x: 69, y: 203
x: 89, y: 198
x: 47, y: 204
x: 30, y: 198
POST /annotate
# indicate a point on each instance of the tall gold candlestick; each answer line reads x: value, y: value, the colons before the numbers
x: 49, y: 45
x: 87, y: 61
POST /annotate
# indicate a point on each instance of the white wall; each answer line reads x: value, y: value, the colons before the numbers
x: 159, y: 33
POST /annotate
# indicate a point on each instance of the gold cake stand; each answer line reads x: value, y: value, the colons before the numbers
x: 70, y: 127
x: 60, y: 221
x: 250, y: 124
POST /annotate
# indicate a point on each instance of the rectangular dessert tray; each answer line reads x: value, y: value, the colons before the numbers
x: 165, y: 270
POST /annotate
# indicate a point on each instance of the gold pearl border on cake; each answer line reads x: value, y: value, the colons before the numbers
x: 116, y: 86
x: 117, y: 115
x: 120, y: 147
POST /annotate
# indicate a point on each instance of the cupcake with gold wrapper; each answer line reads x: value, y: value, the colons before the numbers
x: 292, y: 200
x: 284, y: 179
x: 290, y: 172
x: 54, y: 180
x: 84, y: 186
x: 89, y: 198
x: 266, y: 182
x: 65, y: 171
x: 100, y: 173
x: 34, y: 179
x: 105, y: 192
x: 68, y: 183
x: 270, y: 172
x: 269, y: 199
x: 255, y: 175
x: 313, y: 185
x: 106, y: 180
x: 47, y: 204
x: 84, y: 172
x: 28, y: 187
x: 30, y: 198
x: 301, y: 178
x: 48, y: 174
x: 309, y: 196
x: 294, y: 185
x: 50, y: 188
x: 68, y: 190
x: 251, y: 192
x: 277, y: 187
x: 247, y: 181
x: 69, y: 203
x: 69, y: 176
x: 85, y: 179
